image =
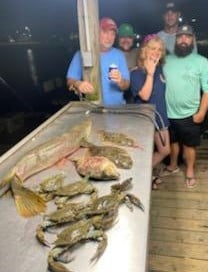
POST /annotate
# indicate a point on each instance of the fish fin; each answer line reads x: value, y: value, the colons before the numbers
x: 27, y: 202
x: 6, y: 179
x: 5, y: 182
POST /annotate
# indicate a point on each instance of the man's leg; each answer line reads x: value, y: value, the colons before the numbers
x: 174, y: 152
x: 190, y: 157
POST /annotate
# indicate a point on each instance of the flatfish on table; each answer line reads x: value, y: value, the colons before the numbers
x: 39, y: 158
x: 119, y: 156
x: 118, y: 138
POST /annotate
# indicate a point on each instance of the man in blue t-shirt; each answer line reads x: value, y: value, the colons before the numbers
x: 114, y: 82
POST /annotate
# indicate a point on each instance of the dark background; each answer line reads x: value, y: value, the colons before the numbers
x: 58, y: 17
x: 52, y: 39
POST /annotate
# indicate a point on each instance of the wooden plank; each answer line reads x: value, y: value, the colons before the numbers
x: 174, y: 264
x: 180, y: 203
x: 180, y: 195
x: 180, y: 224
x: 192, y: 214
x: 201, y: 173
x: 179, y: 250
x: 181, y: 236
x: 89, y: 44
x: 202, y: 186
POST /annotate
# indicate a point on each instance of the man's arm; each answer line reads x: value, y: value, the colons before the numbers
x: 200, y: 115
x: 81, y: 86
x: 74, y: 76
x: 121, y: 75
x: 122, y: 83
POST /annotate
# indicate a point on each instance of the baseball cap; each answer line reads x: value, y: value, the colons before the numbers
x: 185, y: 29
x: 126, y: 30
x: 107, y: 23
x: 171, y: 6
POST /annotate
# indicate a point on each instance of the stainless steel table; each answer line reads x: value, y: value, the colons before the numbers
x: 127, y: 240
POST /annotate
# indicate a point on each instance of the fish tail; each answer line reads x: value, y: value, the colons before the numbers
x: 27, y: 202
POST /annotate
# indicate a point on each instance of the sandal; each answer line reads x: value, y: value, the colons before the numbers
x: 167, y: 172
x: 155, y: 182
x: 190, y: 182
x: 154, y: 186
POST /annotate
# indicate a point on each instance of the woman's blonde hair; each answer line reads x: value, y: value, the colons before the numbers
x: 150, y: 40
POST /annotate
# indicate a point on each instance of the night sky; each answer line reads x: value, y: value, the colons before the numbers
x: 56, y: 20
x: 58, y: 17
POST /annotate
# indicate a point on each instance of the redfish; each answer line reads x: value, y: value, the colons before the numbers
x: 97, y: 167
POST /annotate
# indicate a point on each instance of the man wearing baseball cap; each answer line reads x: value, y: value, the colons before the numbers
x: 171, y: 14
x: 114, y: 82
x: 186, y: 75
x: 126, y: 36
x: 185, y: 30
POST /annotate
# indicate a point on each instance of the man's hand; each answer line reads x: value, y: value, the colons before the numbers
x: 115, y: 76
x: 198, y: 118
x: 84, y: 87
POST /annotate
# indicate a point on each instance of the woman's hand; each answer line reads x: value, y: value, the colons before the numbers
x: 150, y: 65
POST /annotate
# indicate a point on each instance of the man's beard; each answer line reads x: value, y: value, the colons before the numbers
x: 183, y: 51
x: 126, y: 47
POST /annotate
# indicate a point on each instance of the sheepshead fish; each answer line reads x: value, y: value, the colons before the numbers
x: 117, y: 155
x: 43, y: 157
x: 97, y: 167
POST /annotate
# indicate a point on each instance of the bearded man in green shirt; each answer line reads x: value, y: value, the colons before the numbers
x: 186, y: 75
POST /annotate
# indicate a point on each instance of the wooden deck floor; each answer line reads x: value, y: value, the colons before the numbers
x: 179, y: 222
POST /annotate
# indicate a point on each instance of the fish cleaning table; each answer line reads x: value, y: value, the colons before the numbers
x: 127, y: 247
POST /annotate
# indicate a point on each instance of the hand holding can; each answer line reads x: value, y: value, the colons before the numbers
x: 110, y: 69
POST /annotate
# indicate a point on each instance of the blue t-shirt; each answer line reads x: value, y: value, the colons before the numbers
x: 157, y: 97
x: 112, y: 95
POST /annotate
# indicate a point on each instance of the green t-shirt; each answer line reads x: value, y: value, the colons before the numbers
x: 185, y: 78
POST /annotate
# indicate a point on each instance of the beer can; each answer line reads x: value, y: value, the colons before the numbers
x: 112, y: 67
